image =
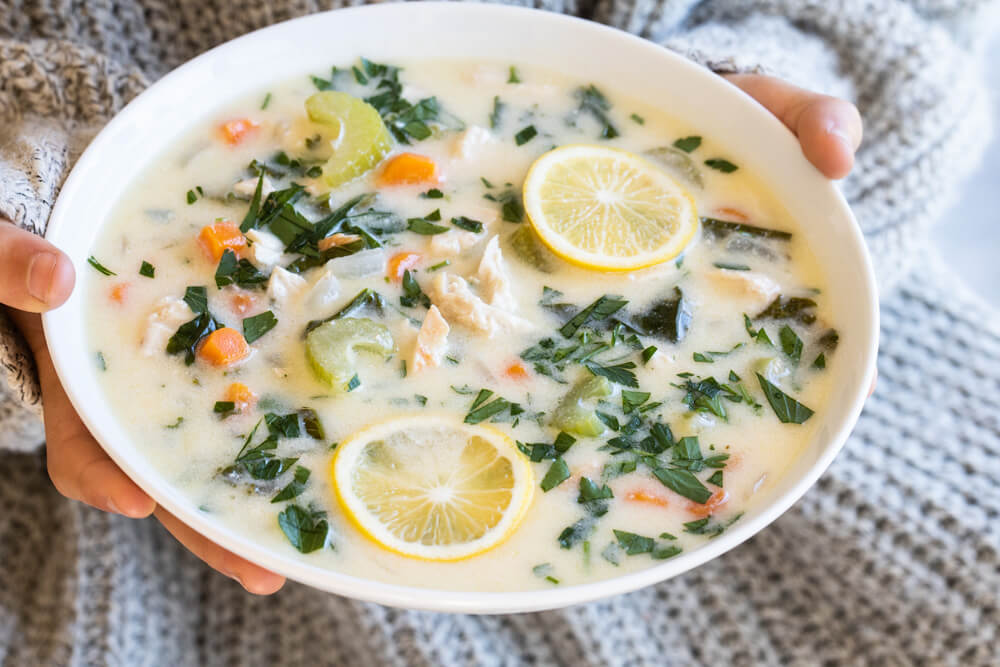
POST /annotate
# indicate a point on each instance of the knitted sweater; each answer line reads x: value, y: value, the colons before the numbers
x: 893, y: 558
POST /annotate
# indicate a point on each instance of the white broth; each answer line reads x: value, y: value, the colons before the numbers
x: 742, y: 448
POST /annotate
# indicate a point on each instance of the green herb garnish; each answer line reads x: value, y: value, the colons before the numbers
x: 147, y: 270
x: 787, y: 409
x: 294, y: 488
x: 525, y: 135
x: 100, y: 267
x: 306, y: 530
x: 687, y: 144
x: 725, y: 166
x: 258, y: 325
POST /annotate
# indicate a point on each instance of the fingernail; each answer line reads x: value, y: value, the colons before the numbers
x: 841, y: 134
x: 41, y: 269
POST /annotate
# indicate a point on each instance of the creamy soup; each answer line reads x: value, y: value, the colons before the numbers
x: 262, y: 294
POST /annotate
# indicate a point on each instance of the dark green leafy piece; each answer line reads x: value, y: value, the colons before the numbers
x: 557, y: 474
x: 147, y: 270
x: 594, y: 497
x: 100, y: 268
x: 619, y: 373
x: 238, y: 272
x: 669, y: 318
x: 468, y: 224
x: 594, y: 103
x: 631, y: 400
x: 433, y: 193
x: 722, y: 228
x: 600, y: 309
x: 719, y: 164
x: 294, y: 488
x: 636, y: 118
x: 262, y: 462
x: 354, y: 383
x: 366, y: 303
x: 283, y: 426
x: 525, y: 135
x: 189, y: 334
x: 687, y: 144
x: 577, y: 533
x: 787, y: 409
x: 487, y: 410
x: 425, y: 227
x: 795, y: 308
x: 224, y: 408
x: 497, y: 112
x: 820, y: 362
x: 306, y: 530
x: 791, y: 344
x: 412, y: 294
x: 511, y: 209
x: 634, y: 544
x: 313, y: 425
x: 513, y: 78
x: 258, y: 325
x: 716, y: 478
x: 196, y: 297
x: 683, y: 483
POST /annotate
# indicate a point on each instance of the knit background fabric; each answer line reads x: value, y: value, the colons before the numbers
x: 893, y: 558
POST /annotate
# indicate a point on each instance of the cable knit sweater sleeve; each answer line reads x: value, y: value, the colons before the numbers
x: 64, y: 74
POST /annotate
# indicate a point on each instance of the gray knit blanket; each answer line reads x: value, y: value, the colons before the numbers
x: 893, y: 558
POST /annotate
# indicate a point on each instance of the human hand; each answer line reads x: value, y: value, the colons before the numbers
x: 35, y: 277
x: 829, y: 129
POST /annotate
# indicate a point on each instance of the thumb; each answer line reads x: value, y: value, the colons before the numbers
x: 34, y: 275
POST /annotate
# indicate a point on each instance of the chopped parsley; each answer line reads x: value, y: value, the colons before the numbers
x: 593, y: 102
x: 425, y: 225
x: 100, y: 268
x: 306, y: 530
x: 684, y: 483
x: 294, y: 488
x: 468, y: 224
x: 224, y: 408
x: 791, y: 344
x: 687, y: 144
x: 619, y: 373
x: 412, y: 294
x: 636, y: 118
x: 725, y: 166
x: 258, y: 325
x: 525, y: 135
x: 787, y: 409
x: 147, y: 270
x: 433, y: 193
x: 557, y: 474
x: 497, y: 112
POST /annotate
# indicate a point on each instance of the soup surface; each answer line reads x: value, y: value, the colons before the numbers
x: 282, y: 287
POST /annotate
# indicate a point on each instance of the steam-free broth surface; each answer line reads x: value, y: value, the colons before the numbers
x: 684, y: 370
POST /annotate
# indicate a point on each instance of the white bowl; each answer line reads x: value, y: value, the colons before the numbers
x: 612, y: 59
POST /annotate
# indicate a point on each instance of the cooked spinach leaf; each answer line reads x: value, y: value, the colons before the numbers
x: 557, y: 474
x: 688, y: 144
x: 791, y: 344
x: 196, y: 297
x: 577, y: 533
x: 593, y: 102
x: 719, y: 164
x: 294, y: 488
x: 669, y: 318
x: 683, y: 483
x: 258, y: 325
x: 722, y: 228
x: 600, y: 309
x: 412, y: 294
x: 189, y: 335
x: 238, y: 272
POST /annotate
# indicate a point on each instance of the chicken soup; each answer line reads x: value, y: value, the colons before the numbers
x: 462, y: 326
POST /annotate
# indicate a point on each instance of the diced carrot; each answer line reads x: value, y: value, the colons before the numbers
x: 516, y: 371
x: 240, y: 394
x: 644, y: 496
x: 216, y: 238
x: 400, y: 263
x: 243, y: 302
x: 718, y: 499
x: 408, y: 169
x: 118, y: 292
x: 235, y: 131
x: 223, y: 347
x: 727, y: 213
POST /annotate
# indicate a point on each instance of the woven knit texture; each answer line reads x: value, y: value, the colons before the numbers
x: 893, y: 558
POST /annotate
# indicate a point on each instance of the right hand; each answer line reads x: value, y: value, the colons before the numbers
x: 34, y: 277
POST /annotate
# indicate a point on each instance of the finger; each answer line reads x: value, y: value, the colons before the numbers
x: 77, y: 465
x: 254, y: 578
x: 829, y: 129
x: 34, y: 275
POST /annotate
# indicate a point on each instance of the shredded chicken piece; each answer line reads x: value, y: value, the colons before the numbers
x: 453, y: 242
x: 432, y: 341
x: 283, y: 285
x: 469, y: 142
x: 752, y: 287
x: 266, y: 249
x: 494, y: 283
x: 337, y: 240
x: 457, y: 303
x: 169, y: 314
x: 248, y: 187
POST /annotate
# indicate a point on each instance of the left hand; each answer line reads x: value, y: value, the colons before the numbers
x: 829, y: 129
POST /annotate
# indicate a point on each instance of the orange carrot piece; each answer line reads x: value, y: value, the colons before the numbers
x: 409, y: 169
x: 118, y: 292
x: 643, y: 496
x: 718, y: 499
x: 220, y: 236
x: 240, y: 394
x: 400, y: 263
x: 223, y: 347
x: 727, y: 213
x: 516, y: 371
x: 235, y: 131
x: 243, y: 302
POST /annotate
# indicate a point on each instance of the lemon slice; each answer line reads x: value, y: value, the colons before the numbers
x: 432, y: 488
x: 607, y: 209
x: 362, y: 139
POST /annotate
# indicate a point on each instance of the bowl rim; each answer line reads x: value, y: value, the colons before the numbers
x: 58, y: 328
